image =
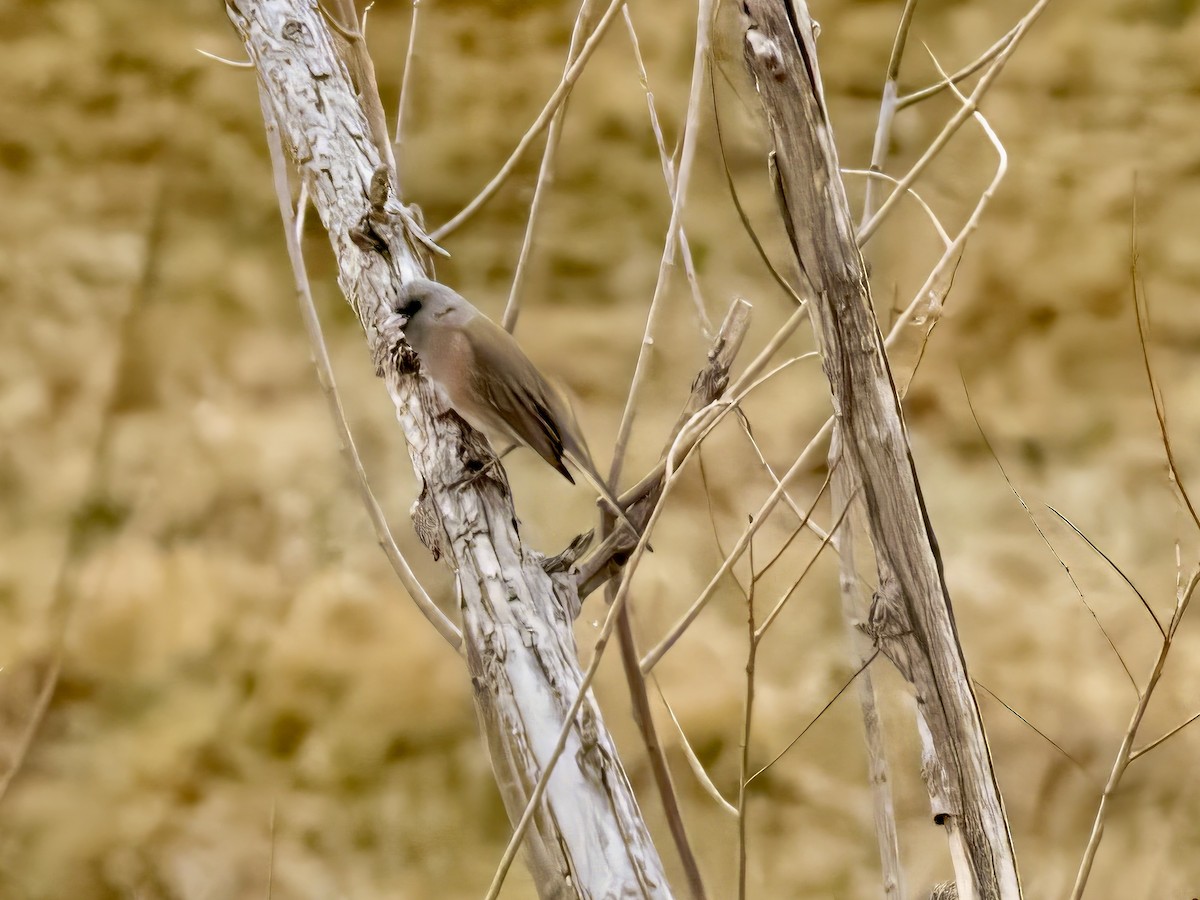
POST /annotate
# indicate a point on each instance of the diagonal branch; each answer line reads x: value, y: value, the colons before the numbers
x: 587, y: 834
x: 539, y: 125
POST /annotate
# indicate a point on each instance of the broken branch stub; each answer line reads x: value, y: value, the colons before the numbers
x: 588, y: 838
x: 911, y: 619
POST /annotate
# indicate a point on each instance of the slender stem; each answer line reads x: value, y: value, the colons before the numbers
x: 545, y: 175
x: 1125, y: 752
x: 956, y: 121
x: 691, y: 135
x: 747, y: 722
x: 538, y: 126
x: 320, y: 353
x: 965, y: 72
x: 887, y: 106
x: 406, y: 80
x: 668, y: 166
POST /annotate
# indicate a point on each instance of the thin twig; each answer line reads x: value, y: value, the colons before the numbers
x: 1166, y: 737
x: 1141, y: 312
x: 643, y: 716
x: 965, y: 72
x: 956, y: 121
x: 804, y: 518
x: 668, y: 166
x: 1125, y: 751
x: 687, y: 154
x: 1104, y: 556
x: 538, y: 126
x: 884, y: 176
x: 887, y: 107
x: 817, y: 717
x: 406, y: 80
x: 778, y: 608
x: 752, y: 639
x: 233, y: 63
x: 545, y: 174
x: 694, y: 761
x: 1045, y: 737
x: 1042, y: 534
x: 743, y: 217
x: 312, y: 324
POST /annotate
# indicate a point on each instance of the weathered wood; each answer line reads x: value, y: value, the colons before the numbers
x: 844, y: 493
x: 911, y: 619
x: 588, y: 839
x: 709, y: 384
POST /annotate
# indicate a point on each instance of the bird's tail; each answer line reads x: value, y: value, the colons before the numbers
x: 588, y: 471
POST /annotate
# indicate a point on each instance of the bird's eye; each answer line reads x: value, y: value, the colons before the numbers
x: 444, y: 312
x: 410, y: 308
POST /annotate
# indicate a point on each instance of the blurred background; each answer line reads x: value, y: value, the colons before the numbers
x: 248, y: 698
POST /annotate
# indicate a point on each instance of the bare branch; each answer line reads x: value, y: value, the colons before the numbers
x: 402, y: 107
x: 588, y: 832
x: 1142, y: 316
x: 669, y: 176
x: 691, y: 135
x: 911, y: 618
x: 1104, y: 556
x: 320, y: 356
x: 817, y: 717
x: 545, y: 173
x: 962, y: 74
x: 1045, y: 540
x: 1125, y: 753
x: 887, y: 107
x: 538, y: 126
x: 957, y: 120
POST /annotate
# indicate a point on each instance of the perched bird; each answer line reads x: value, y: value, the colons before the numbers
x: 483, y: 374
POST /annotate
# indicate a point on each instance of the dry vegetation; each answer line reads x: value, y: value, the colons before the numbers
x: 247, y: 696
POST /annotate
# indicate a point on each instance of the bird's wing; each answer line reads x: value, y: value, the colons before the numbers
x: 514, y: 391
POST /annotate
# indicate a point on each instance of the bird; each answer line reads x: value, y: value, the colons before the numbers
x: 480, y: 371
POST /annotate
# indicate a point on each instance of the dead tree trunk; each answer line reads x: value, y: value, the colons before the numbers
x: 911, y: 619
x: 588, y: 838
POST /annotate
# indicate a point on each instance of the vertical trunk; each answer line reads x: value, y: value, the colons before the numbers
x: 911, y: 619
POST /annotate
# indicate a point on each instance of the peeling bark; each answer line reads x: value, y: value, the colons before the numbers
x: 588, y: 839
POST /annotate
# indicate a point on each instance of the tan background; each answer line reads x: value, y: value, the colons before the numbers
x: 240, y: 662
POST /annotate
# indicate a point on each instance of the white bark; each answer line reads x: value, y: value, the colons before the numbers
x: 589, y: 839
x: 911, y: 619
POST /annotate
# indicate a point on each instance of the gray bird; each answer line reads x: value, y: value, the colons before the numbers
x: 483, y: 374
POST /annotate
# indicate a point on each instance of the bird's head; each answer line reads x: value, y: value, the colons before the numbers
x: 422, y: 304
